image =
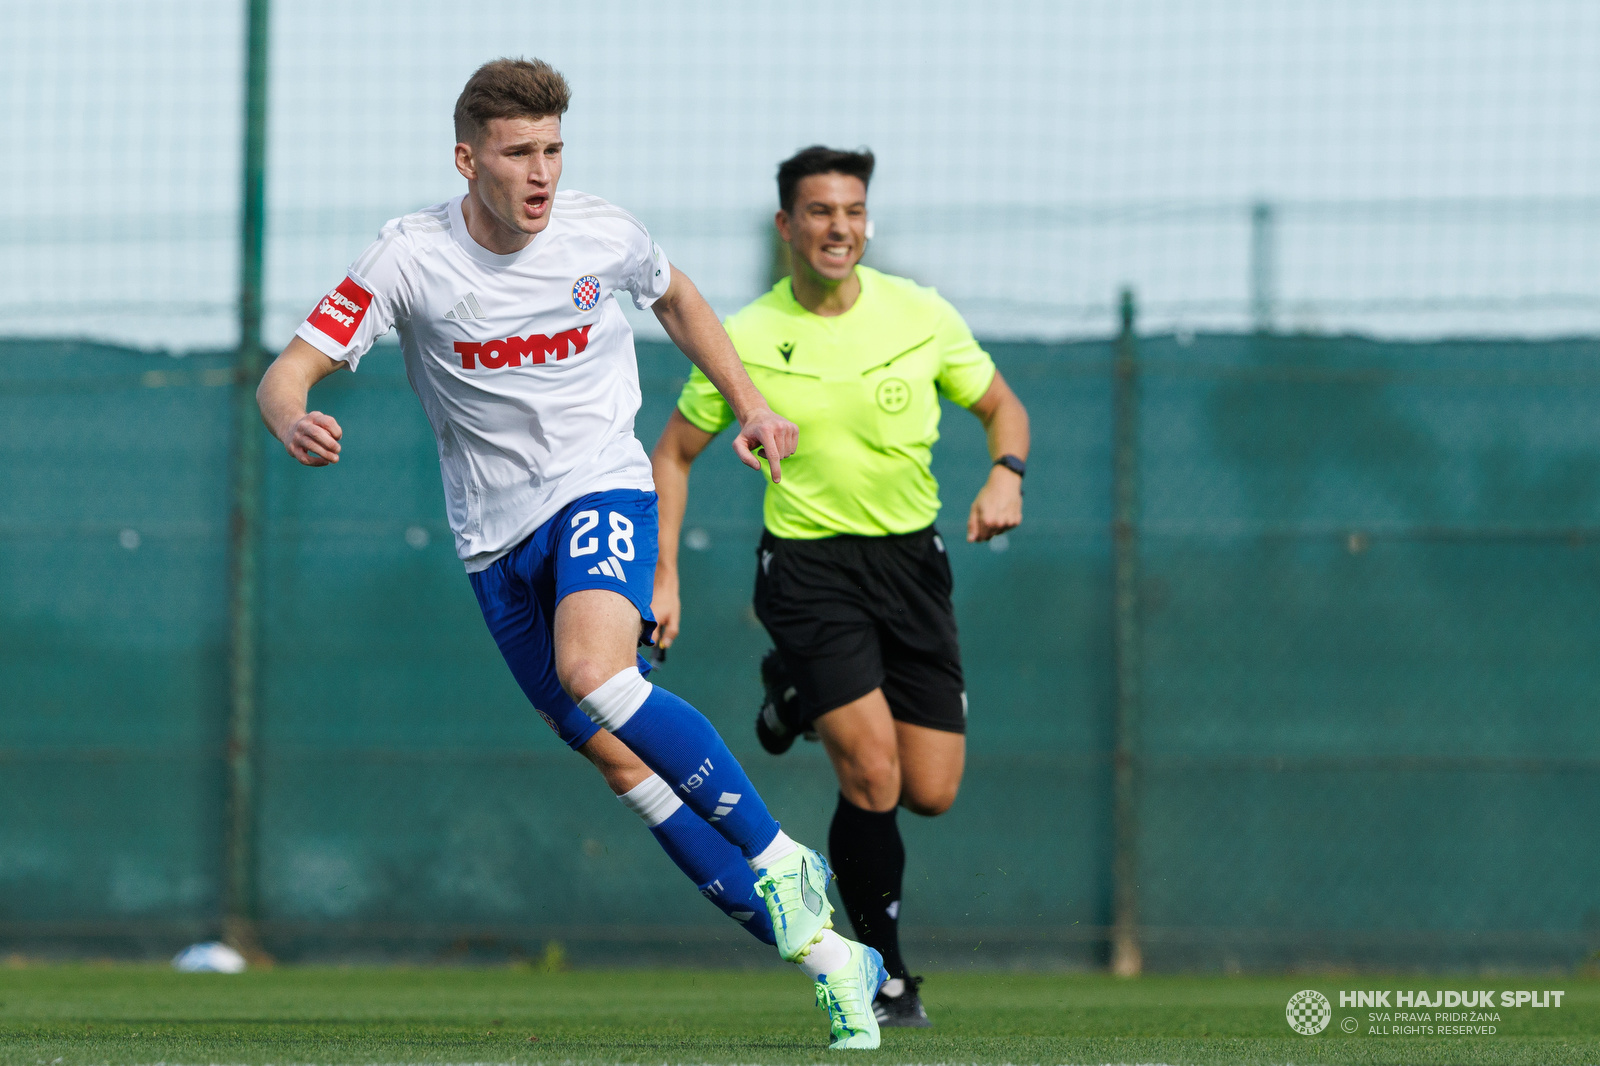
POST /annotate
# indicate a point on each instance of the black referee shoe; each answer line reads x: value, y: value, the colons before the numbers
x: 778, y: 721
x: 903, y: 1011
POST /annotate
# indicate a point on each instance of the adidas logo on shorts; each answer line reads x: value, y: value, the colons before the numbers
x: 610, y: 568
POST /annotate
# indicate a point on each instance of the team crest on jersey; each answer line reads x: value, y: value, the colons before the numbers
x: 586, y: 292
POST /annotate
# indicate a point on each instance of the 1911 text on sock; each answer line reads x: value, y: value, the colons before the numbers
x: 697, y: 778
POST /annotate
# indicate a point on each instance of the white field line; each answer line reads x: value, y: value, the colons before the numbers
x: 591, y: 1061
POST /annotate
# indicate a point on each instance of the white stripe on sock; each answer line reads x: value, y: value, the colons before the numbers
x: 613, y: 703
x: 781, y: 847
x: 830, y: 956
x: 651, y: 799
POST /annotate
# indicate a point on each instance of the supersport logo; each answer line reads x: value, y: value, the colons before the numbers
x: 341, y: 311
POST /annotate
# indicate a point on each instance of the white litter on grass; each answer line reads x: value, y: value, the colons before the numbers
x: 210, y: 957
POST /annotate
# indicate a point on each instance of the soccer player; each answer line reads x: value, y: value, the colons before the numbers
x: 853, y: 583
x: 524, y: 363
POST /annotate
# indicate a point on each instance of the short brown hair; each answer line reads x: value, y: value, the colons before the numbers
x: 509, y: 88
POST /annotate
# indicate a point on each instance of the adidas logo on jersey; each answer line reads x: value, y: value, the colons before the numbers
x: 466, y: 309
x: 610, y: 568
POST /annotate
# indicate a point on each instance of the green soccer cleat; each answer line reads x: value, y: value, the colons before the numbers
x: 796, y: 891
x: 847, y: 997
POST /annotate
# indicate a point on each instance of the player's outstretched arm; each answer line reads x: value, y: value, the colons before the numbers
x: 312, y: 438
x: 694, y: 328
x: 680, y: 444
x: 999, y: 503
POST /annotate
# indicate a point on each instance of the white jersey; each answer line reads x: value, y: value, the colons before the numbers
x: 524, y: 362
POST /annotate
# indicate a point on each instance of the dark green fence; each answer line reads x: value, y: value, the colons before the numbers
x: 1363, y: 729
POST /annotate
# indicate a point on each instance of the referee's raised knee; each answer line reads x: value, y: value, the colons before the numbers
x: 930, y: 803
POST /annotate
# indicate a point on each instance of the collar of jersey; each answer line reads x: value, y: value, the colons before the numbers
x: 458, y: 230
x: 795, y: 307
x: 833, y: 354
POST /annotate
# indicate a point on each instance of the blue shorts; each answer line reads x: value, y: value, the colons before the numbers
x: 605, y: 540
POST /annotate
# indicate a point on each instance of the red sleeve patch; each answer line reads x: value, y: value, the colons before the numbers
x: 341, y: 311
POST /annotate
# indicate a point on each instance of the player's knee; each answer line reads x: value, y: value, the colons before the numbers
x: 873, y: 781
x: 582, y: 675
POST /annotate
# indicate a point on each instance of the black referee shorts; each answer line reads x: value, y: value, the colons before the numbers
x: 850, y: 614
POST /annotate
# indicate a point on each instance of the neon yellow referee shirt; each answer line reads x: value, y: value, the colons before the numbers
x: 864, y: 389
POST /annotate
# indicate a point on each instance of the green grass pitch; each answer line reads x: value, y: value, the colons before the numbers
x: 71, y: 1015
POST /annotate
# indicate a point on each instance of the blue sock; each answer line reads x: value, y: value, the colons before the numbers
x: 714, y: 865
x: 717, y: 869
x: 685, y: 750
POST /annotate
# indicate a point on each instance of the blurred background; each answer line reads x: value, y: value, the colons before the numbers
x: 1294, y: 662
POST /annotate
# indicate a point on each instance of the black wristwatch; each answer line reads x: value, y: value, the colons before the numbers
x: 1013, y: 464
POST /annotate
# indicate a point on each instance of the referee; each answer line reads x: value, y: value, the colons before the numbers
x: 852, y: 581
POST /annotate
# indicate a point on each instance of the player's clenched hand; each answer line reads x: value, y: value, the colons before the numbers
x: 997, y: 508
x: 313, y: 439
x: 774, y: 435
x: 667, y: 608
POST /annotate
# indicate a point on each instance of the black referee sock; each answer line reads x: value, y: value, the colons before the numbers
x: 870, y: 862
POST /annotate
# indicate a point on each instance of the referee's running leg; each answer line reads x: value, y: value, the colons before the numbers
x: 866, y: 632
